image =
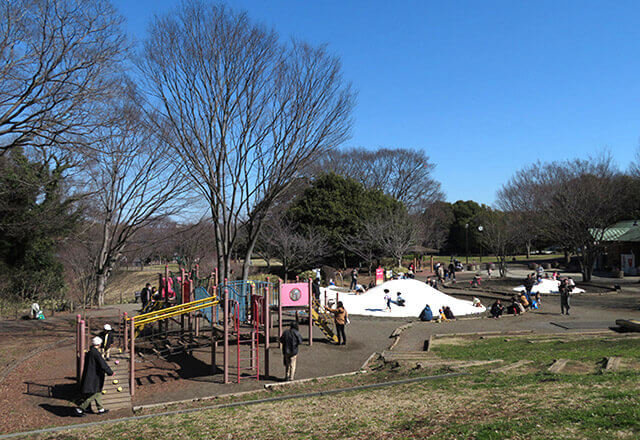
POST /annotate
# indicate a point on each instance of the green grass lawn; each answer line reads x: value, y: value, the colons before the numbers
x: 525, y: 404
x: 584, y: 350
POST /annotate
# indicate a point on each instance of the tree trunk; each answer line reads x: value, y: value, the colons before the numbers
x: 285, y: 268
x: 502, y: 266
x: 567, y: 257
x: 101, y: 282
x: 528, y: 247
x: 246, y: 265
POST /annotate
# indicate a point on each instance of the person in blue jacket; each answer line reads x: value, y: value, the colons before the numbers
x: 426, y: 314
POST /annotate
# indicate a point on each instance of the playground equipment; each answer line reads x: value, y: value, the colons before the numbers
x: 190, y: 313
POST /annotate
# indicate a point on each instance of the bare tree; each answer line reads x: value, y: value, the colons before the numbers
x: 245, y: 113
x: 405, y: 174
x: 433, y: 224
x: 193, y: 244
x: 363, y: 245
x: 500, y: 235
x: 296, y: 250
x: 394, y: 233
x: 134, y: 185
x: 57, y: 59
x: 573, y: 203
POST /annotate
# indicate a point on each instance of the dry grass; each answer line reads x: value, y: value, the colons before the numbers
x: 464, y: 407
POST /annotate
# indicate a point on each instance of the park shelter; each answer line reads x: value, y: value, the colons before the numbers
x: 621, y: 247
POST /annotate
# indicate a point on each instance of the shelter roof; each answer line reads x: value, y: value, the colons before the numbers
x: 626, y: 231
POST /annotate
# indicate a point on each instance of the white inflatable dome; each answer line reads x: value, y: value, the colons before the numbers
x: 547, y: 286
x: 415, y: 293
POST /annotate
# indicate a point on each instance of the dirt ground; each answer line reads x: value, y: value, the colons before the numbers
x: 38, y: 386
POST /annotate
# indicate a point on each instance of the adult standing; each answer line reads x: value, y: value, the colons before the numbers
x: 145, y: 295
x: 290, y: 340
x: 95, y: 368
x: 528, y: 286
x: 354, y: 279
x: 452, y: 271
x: 315, y: 289
x: 565, y: 294
x: 340, y: 316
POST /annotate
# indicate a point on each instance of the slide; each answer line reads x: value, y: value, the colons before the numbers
x: 322, y: 320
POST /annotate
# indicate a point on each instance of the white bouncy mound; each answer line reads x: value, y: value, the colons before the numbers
x: 547, y: 286
x: 415, y: 294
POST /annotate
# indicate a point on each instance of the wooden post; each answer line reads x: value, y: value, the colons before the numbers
x: 160, y: 283
x: 431, y: 263
x: 279, y: 315
x: 82, y: 347
x: 213, y: 344
x: 225, y: 347
x: 198, y: 315
x: 126, y: 332
x: 310, y: 310
x: 79, y: 353
x: 132, y: 361
x: 267, y: 327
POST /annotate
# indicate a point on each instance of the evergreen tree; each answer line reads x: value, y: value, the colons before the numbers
x: 34, y: 215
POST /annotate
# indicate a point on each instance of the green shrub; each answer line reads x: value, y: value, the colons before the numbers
x: 306, y: 275
x: 263, y: 277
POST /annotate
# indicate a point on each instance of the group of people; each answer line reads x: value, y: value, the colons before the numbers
x: 148, y: 294
x: 444, y: 314
x: 530, y: 300
x: 443, y: 274
x: 399, y: 301
x: 291, y: 339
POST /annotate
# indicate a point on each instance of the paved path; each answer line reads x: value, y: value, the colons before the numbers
x: 588, y: 312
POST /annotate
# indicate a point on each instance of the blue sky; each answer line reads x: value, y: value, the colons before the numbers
x: 484, y: 87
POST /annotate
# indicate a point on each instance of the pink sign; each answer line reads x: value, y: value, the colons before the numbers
x: 379, y: 276
x: 294, y: 294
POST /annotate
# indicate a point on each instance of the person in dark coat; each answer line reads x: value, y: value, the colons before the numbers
x: 452, y: 272
x: 496, y: 309
x: 290, y: 340
x: 565, y: 294
x: 448, y: 312
x: 145, y: 295
x: 315, y: 289
x: 95, y: 368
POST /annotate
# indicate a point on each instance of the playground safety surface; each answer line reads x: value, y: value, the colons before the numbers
x: 37, y: 392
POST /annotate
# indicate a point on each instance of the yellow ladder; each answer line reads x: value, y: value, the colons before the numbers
x: 321, y: 319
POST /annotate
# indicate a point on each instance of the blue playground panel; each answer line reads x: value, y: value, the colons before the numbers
x: 201, y: 293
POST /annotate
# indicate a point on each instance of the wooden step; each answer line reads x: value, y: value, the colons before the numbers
x: 510, y: 367
x: 558, y: 365
x: 613, y: 363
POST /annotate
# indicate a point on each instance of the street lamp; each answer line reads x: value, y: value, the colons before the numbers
x: 466, y: 240
x: 480, y: 229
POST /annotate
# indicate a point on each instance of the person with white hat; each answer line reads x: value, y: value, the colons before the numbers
x: 95, y: 368
x: 107, y: 340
